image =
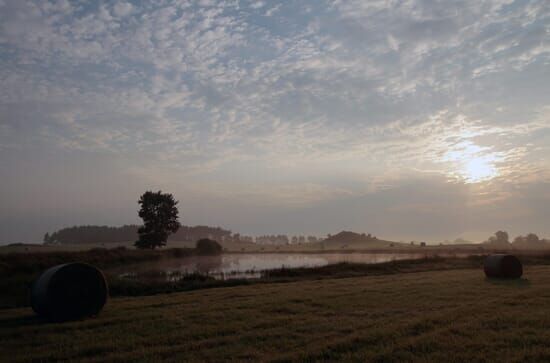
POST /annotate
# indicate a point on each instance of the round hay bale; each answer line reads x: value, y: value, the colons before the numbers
x: 503, y: 266
x: 69, y: 291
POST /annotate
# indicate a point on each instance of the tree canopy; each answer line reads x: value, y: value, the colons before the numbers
x: 207, y: 246
x: 108, y: 234
x: 500, y: 238
x: 92, y: 235
x: 160, y: 219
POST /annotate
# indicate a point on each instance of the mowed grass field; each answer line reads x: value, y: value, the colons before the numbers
x: 451, y: 316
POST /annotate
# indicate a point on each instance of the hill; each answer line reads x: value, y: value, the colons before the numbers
x: 352, y: 240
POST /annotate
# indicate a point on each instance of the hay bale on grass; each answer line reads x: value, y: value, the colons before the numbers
x: 503, y: 266
x: 69, y: 291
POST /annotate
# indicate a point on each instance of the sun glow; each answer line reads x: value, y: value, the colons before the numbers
x: 479, y: 169
x: 472, y: 163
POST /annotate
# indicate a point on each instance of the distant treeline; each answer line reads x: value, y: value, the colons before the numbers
x: 92, y: 234
x: 128, y: 233
x: 350, y: 237
x: 531, y: 240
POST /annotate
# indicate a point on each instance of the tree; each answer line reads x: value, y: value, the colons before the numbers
x: 532, y: 238
x: 207, y: 247
x: 501, y: 237
x: 519, y: 240
x: 46, y: 238
x: 529, y: 241
x: 160, y: 219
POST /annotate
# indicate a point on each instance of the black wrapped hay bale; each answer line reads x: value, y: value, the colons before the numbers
x: 70, y: 291
x: 503, y: 266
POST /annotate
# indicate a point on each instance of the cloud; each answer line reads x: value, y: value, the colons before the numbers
x: 122, y: 9
x: 351, y: 96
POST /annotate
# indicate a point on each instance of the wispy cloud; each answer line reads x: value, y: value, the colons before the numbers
x: 335, y: 97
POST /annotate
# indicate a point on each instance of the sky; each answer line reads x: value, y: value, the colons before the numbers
x: 411, y: 119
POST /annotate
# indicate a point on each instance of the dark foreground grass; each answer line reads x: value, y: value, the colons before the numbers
x: 451, y: 316
x: 19, y: 270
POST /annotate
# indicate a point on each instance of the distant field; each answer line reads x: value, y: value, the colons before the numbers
x: 32, y: 248
x: 254, y: 248
x: 451, y: 316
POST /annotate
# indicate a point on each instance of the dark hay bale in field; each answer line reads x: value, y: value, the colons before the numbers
x: 70, y: 291
x: 503, y: 266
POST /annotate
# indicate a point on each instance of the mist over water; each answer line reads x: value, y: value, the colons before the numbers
x: 251, y: 265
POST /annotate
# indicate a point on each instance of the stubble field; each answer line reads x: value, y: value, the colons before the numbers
x: 453, y: 316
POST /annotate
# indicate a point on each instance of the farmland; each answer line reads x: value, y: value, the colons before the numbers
x: 452, y: 315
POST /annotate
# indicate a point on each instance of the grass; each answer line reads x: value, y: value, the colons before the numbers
x: 450, y: 315
x: 158, y: 282
x: 380, y: 246
x: 11, y: 263
x: 19, y: 270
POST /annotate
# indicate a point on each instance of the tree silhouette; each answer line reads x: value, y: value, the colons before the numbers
x: 532, y: 238
x: 501, y: 237
x: 160, y: 219
x: 529, y: 241
x: 105, y: 234
x: 206, y: 247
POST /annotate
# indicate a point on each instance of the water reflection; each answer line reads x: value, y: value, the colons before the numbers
x: 251, y: 265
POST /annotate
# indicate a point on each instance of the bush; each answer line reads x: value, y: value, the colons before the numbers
x: 208, y: 247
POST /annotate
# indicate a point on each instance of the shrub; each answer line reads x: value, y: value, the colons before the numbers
x: 208, y: 247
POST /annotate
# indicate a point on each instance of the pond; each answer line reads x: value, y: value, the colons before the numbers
x: 251, y: 265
